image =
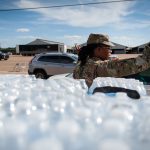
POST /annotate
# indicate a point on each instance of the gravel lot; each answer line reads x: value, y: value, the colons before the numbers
x: 16, y: 64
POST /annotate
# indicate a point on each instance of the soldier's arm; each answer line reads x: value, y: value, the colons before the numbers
x: 86, y: 72
x: 125, y: 67
x: 89, y: 73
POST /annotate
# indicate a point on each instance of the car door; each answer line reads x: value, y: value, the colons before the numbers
x: 67, y: 64
x: 54, y: 66
x: 50, y: 63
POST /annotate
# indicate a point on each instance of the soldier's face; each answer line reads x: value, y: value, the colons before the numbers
x: 104, y: 52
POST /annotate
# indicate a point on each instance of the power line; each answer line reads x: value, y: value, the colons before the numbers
x: 67, y: 5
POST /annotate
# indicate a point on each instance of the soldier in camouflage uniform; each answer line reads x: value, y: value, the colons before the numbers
x: 94, y: 61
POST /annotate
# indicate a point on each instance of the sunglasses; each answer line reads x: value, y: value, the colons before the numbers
x: 111, y: 90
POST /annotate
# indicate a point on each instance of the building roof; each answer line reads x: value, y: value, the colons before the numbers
x: 143, y: 45
x: 43, y: 42
x: 138, y: 47
x: 118, y: 46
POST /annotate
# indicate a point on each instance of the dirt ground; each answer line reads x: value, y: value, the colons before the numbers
x: 18, y: 64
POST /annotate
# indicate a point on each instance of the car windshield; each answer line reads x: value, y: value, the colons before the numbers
x: 74, y: 56
x: 70, y: 75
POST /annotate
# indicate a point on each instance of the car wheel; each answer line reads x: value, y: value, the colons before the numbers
x: 40, y: 74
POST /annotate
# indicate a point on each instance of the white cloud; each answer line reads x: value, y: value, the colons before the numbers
x: 87, y: 16
x: 5, y: 42
x: 72, y: 39
x: 27, y: 37
x: 132, y: 25
x: 23, y: 30
x: 147, y: 13
x: 17, y: 40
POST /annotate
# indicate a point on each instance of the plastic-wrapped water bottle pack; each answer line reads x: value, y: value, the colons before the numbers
x: 63, y: 114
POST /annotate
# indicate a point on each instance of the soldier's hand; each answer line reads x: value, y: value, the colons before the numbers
x: 77, y: 47
x: 114, y: 58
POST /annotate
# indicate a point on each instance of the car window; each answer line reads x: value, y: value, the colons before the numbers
x: 53, y: 59
x: 75, y: 57
x: 66, y: 60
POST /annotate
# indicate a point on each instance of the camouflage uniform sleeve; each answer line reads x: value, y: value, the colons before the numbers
x: 125, y: 67
x: 89, y: 72
x: 86, y: 72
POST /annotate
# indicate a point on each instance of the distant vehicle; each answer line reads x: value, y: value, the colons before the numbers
x: 4, y: 56
x: 45, y: 65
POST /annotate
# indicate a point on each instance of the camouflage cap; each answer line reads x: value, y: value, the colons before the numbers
x: 99, y: 38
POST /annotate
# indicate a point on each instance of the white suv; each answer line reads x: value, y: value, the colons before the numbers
x: 47, y: 64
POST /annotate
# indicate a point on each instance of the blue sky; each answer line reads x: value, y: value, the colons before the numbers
x: 126, y: 23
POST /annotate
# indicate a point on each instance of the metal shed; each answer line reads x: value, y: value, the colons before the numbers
x: 40, y: 46
x: 138, y: 49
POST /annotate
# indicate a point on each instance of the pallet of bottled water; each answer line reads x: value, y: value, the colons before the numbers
x: 63, y: 114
